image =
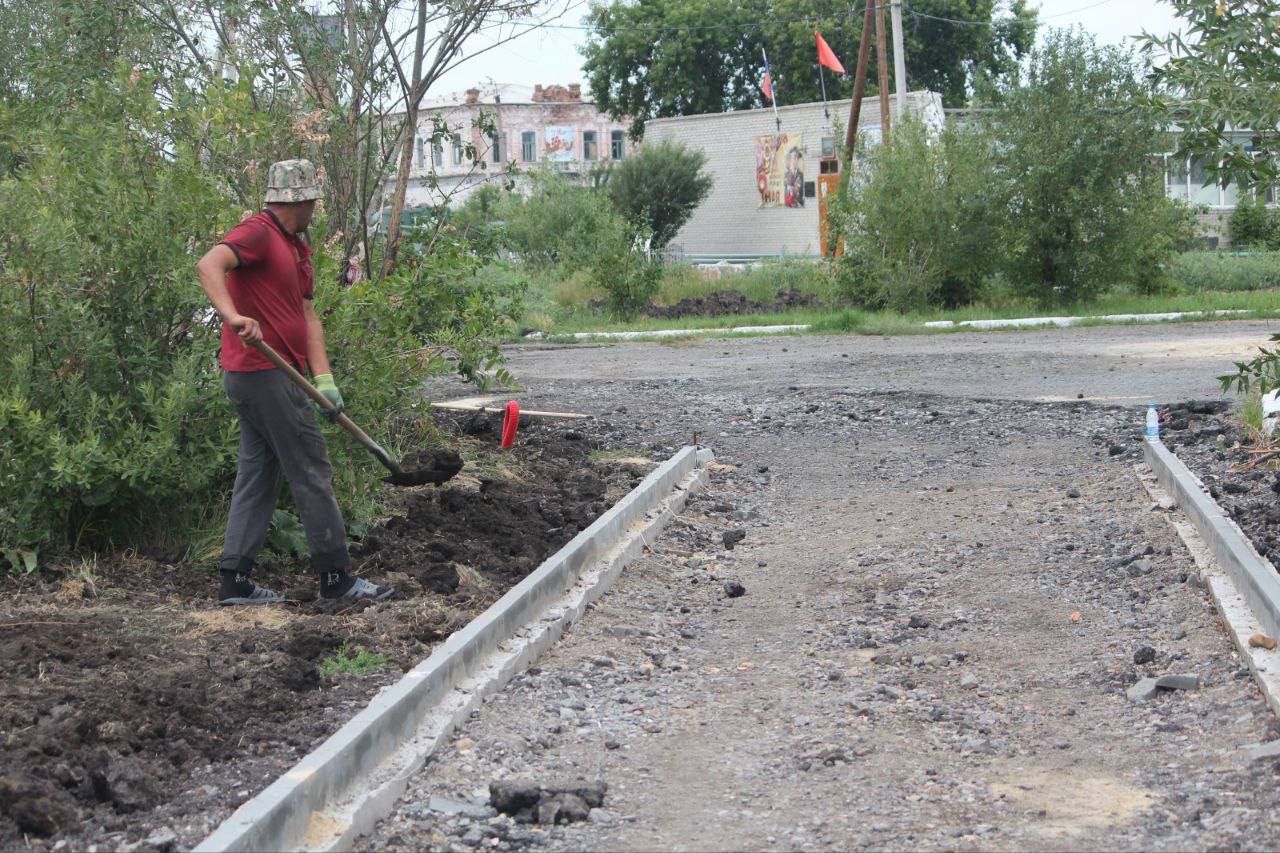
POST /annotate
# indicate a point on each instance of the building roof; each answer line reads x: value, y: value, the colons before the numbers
x: 510, y: 93
x: 870, y: 109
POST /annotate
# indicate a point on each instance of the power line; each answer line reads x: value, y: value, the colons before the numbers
x: 818, y: 22
x: 960, y: 22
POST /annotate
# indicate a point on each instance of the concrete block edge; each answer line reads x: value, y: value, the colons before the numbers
x: 1240, y: 619
x: 1253, y: 575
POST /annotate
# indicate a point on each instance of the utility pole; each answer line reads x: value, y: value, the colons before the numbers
x: 882, y: 71
x: 859, y: 84
x: 899, y: 60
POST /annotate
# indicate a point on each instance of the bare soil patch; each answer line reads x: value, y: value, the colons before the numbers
x: 731, y: 301
x: 1216, y: 446
x: 131, y: 705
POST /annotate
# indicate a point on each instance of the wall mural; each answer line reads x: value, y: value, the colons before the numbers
x: 780, y: 170
x: 558, y: 143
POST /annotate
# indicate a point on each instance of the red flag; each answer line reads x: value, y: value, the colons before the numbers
x: 766, y: 85
x: 826, y: 57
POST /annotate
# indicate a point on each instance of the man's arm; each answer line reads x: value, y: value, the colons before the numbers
x: 317, y: 354
x: 213, y: 269
x: 318, y: 360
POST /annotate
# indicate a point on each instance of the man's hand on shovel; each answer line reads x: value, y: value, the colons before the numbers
x: 325, y: 385
x: 246, y: 327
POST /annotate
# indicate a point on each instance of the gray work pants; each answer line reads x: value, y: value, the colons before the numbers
x: 279, y: 434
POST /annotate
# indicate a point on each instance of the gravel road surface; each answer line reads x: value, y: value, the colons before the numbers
x: 947, y: 580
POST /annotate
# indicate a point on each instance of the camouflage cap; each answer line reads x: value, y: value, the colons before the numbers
x: 292, y: 180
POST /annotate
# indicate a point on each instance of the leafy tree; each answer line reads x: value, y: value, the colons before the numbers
x: 1223, y: 73
x: 1254, y: 224
x: 921, y: 226
x: 659, y: 187
x: 558, y: 223
x: 658, y: 58
x: 1085, y: 202
x: 121, y: 159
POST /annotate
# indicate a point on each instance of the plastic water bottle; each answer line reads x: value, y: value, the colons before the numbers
x: 1153, y: 421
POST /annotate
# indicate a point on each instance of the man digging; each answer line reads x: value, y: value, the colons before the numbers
x: 258, y: 278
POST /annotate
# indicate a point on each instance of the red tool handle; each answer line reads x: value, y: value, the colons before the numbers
x: 509, y: 424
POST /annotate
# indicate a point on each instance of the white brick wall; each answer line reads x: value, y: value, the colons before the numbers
x: 731, y: 223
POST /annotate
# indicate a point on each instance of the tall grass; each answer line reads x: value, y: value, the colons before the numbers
x: 1200, y: 281
x: 1196, y: 271
x: 758, y: 283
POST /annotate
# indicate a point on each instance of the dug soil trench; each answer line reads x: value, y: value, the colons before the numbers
x: 134, y: 711
x: 1217, y: 447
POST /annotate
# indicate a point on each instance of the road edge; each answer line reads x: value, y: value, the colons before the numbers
x: 339, y: 790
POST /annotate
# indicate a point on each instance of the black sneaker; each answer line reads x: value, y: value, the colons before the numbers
x: 257, y: 595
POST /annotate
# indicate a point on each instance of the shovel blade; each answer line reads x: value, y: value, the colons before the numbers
x: 433, y: 467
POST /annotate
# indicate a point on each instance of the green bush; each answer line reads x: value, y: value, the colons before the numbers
x: 659, y: 187
x: 627, y: 275
x: 570, y: 228
x: 559, y: 223
x: 114, y: 428
x: 1085, y: 203
x: 921, y: 226
x: 1197, y: 271
x: 1254, y: 225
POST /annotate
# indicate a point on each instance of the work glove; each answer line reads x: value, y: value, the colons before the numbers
x: 324, y: 384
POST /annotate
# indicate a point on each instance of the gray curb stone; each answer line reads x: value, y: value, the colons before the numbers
x: 1253, y: 576
x: 339, y: 790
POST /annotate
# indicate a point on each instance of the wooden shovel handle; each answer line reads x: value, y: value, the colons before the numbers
x: 323, y: 402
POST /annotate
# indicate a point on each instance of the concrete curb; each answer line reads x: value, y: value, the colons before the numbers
x: 675, y: 333
x: 339, y: 790
x: 1064, y: 322
x: 1244, y: 586
x: 1255, y: 577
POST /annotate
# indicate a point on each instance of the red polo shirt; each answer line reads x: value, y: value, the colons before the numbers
x: 269, y: 284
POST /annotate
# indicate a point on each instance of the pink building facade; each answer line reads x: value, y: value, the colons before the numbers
x: 552, y: 125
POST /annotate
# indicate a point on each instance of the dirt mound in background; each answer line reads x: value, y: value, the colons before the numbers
x: 135, y: 706
x: 724, y: 302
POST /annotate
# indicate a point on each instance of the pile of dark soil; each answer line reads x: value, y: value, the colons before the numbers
x: 131, y: 706
x: 1216, y: 448
x: 724, y: 302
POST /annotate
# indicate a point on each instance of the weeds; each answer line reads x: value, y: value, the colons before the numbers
x: 352, y: 660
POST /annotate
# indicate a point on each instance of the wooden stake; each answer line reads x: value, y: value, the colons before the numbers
x: 491, y: 410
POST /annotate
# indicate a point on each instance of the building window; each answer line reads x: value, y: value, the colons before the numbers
x: 1201, y: 194
x: 1175, y: 177
x: 528, y: 146
x: 495, y: 147
x: 457, y: 149
x: 617, y: 145
x: 828, y: 146
x: 437, y: 153
x: 421, y: 159
x: 589, y: 149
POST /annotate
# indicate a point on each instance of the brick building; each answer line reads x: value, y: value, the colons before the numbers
x: 552, y: 124
x: 767, y: 199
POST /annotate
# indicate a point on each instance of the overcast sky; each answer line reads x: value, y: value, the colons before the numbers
x: 551, y: 55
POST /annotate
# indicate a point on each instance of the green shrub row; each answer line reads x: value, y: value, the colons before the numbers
x: 1254, y: 225
x: 114, y: 429
x: 1050, y: 193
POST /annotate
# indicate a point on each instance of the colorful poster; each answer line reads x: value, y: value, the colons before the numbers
x: 780, y: 170
x: 558, y: 143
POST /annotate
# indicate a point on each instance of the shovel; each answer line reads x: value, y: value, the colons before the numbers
x: 443, y: 465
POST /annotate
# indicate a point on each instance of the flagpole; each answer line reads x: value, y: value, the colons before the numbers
x: 773, y: 89
x: 822, y: 78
